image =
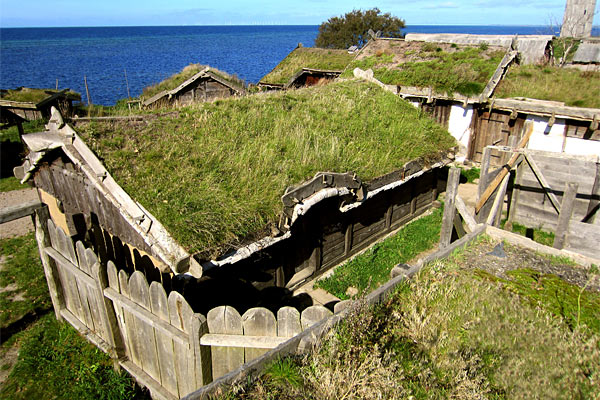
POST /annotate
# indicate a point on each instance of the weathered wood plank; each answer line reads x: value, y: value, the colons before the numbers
x: 288, y: 322
x: 156, y: 390
x: 225, y: 320
x: 465, y: 213
x: 545, y: 185
x: 313, y: 314
x: 258, y: 322
x: 181, y: 318
x: 564, y: 216
x: 166, y: 355
x: 106, y: 310
x: 86, y: 295
x: 258, y: 343
x: 202, y: 358
x: 42, y: 215
x: 140, y: 294
x: 19, y: 211
x: 449, y: 208
x: 128, y: 309
x: 493, y: 218
x: 113, y: 283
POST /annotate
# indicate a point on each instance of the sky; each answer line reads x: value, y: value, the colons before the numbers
x: 54, y: 13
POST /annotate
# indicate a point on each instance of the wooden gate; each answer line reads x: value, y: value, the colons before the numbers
x: 492, y: 128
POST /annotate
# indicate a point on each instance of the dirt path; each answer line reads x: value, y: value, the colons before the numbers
x: 20, y: 226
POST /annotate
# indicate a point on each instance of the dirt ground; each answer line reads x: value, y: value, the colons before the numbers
x: 20, y: 226
x: 498, y: 259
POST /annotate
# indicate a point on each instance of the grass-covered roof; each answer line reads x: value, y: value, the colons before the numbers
x: 33, y: 95
x: 307, y: 57
x: 213, y: 175
x: 186, y: 73
x: 571, y: 86
x: 443, y: 66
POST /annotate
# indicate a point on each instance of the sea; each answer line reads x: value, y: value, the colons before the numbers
x: 118, y: 62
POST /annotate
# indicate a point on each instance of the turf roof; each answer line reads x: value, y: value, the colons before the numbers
x: 31, y: 95
x: 443, y: 66
x: 307, y: 57
x: 214, y: 174
x: 186, y: 73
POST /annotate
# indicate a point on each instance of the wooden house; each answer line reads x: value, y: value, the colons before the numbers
x: 165, y: 249
x: 206, y: 85
x: 25, y: 104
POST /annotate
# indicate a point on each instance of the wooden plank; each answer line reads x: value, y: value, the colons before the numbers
x: 514, y: 199
x: 42, y: 215
x: 312, y: 315
x: 288, y: 322
x: 225, y: 320
x: 465, y: 213
x: 157, y: 392
x: 449, y: 208
x: 113, y: 283
x: 202, y: 359
x: 257, y: 343
x: 164, y: 343
x: 11, y: 213
x: 513, y: 159
x: 140, y: 294
x: 107, y: 312
x: 258, y: 321
x: 88, y: 298
x: 129, y: 308
x: 564, y: 216
x: 542, y: 180
x: 83, y: 330
x: 496, y: 211
x: 181, y: 318
x: 594, y: 205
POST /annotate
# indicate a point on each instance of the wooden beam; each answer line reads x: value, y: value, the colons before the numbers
x: 564, y: 216
x: 498, y: 202
x: 449, y: 208
x: 11, y: 213
x: 465, y: 213
x: 254, y: 342
x: 513, y: 159
x: 542, y: 180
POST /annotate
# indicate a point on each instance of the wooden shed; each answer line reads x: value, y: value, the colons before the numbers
x: 32, y: 104
x: 146, y: 242
x: 206, y: 85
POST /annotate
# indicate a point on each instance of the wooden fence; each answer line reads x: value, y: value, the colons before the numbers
x: 155, y: 335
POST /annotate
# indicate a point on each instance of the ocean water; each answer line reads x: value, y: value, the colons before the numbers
x: 38, y: 57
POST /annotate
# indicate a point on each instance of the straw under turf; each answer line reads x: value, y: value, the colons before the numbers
x: 213, y: 173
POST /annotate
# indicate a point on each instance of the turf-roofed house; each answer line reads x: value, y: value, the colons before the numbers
x: 186, y: 220
x: 195, y: 83
x: 306, y: 66
x: 484, y: 88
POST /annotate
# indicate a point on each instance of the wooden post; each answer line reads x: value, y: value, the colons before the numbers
x: 87, y: 91
x: 43, y: 240
x: 449, y: 207
x: 496, y: 212
x: 564, y: 217
x: 57, y: 84
x: 485, y: 169
x: 127, y: 84
x: 514, y: 198
x: 592, y: 211
x: 202, y: 357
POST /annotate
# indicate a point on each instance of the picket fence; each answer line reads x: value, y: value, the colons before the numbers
x: 156, y: 336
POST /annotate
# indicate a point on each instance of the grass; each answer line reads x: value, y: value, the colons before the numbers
x: 537, y: 235
x: 177, y: 79
x: 56, y: 363
x: 446, y: 333
x: 307, y: 57
x: 470, y: 174
x: 30, y: 95
x: 22, y: 269
x: 214, y: 174
x: 12, y: 134
x: 571, y: 86
x: 372, y: 268
x: 11, y: 183
x: 466, y: 71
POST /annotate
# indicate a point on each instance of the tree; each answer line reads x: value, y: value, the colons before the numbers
x: 352, y: 29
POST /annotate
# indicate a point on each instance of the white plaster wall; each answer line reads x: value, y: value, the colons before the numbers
x: 416, y: 104
x: 544, y: 137
x: 459, y: 124
x: 582, y: 146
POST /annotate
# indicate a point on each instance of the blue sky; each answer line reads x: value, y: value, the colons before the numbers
x: 29, y: 13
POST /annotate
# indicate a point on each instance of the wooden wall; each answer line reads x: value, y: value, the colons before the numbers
x: 492, y: 128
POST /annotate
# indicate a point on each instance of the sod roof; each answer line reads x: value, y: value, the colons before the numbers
x: 307, y: 57
x: 213, y: 175
x: 443, y: 66
x: 33, y: 95
x: 186, y: 73
x: 571, y: 86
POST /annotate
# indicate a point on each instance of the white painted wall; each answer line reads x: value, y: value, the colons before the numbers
x: 544, y: 137
x: 582, y: 146
x: 459, y: 124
